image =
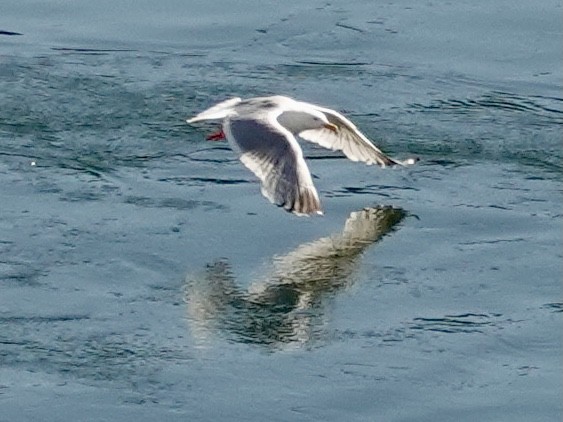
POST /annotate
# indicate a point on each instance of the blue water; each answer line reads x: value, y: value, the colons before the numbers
x: 143, y: 276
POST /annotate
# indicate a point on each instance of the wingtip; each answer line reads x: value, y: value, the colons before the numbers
x: 408, y: 162
x: 391, y: 162
x: 304, y: 210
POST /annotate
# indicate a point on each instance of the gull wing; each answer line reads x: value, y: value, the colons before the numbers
x: 272, y: 153
x: 347, y: 139
x: 218, y: 111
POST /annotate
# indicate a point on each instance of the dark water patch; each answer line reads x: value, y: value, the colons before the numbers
x: 543, y: 159
x: 176, y: 54
x: 331, y: 63
x: 95, y: 166
x: 214, y: 155
x: 47, y: 186
x: 113, y: 357
x: 387, y: 191
x: 81, y: 195
x: 367, y: 116
x: 323, y: 155
x: 172, y: 203
x: 90, y: 51
x: 141, y: 201
x: 388, y: 337
x: 36, y: 319
x: 219, y: 181
x: 443, y: 162
x: 20, y: 273
x: 480, y: 206
x: 349, y: 27
x: 185, y: 204
x: 556, y: 307
x: 467, y: 323
x: 320, y: 69
x: 511, y: 186
x: 9, y: 33
x: 453, y: 324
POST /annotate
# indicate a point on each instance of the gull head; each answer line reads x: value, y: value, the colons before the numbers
x: 297, y: 121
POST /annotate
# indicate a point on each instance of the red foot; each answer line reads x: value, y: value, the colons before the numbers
x: 216, y: 136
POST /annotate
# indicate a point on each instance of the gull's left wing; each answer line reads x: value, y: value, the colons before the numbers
x: 347, y: 139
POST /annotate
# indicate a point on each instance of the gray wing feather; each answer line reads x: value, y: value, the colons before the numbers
x: 275, y: 157
x: 348, y: 139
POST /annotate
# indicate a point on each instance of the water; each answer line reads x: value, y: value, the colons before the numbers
x: 143, y: 276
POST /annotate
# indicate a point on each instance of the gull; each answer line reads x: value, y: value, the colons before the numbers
x: 263, y: 131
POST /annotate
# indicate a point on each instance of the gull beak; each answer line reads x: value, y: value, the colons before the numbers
x: 331, y: 127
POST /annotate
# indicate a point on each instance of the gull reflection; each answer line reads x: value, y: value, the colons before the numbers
x: 287, y: 305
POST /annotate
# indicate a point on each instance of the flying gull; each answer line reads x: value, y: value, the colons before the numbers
x: 263, y: 129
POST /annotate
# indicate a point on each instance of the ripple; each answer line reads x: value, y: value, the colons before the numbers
x: 331, y: 63
x: 91, y: 51
x: 462, y: 323
x: 20, y: 273
x: 387, y: 191
x: 556, y: 307
x: 9, y: 33
x: 546, y: 108
x: 173, y: 203
x: 110, y: 357
x: 495, y: 241
x: 36, y: 319
x: 318, y: 68
x: 201, y: 181
x: 219, y: 181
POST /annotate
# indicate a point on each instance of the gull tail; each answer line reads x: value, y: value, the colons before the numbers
x: 219, y: 111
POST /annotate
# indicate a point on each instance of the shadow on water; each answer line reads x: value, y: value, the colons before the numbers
x: 286, y: 305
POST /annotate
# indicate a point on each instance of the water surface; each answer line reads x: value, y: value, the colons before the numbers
x: 143, y: 276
